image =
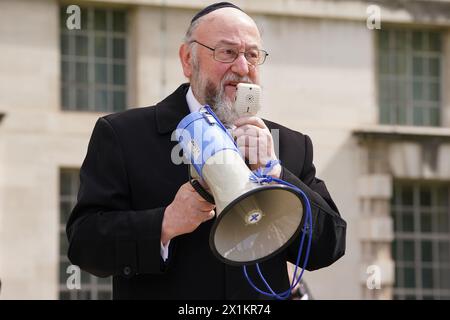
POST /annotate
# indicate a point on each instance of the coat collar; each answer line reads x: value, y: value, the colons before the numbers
x: 172, y: 109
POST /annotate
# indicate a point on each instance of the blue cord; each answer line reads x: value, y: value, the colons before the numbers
x: 260, y: 176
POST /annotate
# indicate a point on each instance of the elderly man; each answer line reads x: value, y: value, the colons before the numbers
x: 137, y: 217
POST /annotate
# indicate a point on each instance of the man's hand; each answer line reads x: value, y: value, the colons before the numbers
x: 256, y: 143
x: 186, y: 212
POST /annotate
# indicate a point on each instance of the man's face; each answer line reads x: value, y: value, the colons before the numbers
x: 214, y: 82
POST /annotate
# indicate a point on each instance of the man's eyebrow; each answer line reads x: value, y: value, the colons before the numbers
x: 233, y: 43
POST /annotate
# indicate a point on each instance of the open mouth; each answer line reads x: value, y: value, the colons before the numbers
x: 231, y: 84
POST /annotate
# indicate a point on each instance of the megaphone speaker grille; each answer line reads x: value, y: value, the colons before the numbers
x: 257, y: 225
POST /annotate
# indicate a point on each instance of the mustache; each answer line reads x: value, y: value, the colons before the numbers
x: 232, y: 77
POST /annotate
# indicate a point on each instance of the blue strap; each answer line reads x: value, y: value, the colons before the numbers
x: 209, y: 110
x: 260, y: 176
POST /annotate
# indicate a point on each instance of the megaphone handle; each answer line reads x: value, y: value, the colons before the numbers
x: 201, y: 191
x: 193, y: 176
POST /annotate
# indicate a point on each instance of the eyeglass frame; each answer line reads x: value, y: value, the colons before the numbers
x: 264, y: 52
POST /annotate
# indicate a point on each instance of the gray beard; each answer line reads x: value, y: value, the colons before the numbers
x: 216, y: 98
x: 223, y: 107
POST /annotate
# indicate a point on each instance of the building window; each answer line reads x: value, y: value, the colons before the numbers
x: 91, y: 287
x: 421, y: 248
x: 93, y: 61
x: 409, y: 70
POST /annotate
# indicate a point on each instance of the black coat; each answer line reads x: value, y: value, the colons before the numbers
x: 128, y: 179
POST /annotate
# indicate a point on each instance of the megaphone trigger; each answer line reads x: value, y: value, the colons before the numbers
x: 202, y: 191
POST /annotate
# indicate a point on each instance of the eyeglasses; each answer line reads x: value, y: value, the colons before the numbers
x: 228, y: 54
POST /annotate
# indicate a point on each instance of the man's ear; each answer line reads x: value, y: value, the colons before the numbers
x: 186, y: 60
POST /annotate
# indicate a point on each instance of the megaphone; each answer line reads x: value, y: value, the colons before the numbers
x: 253, y: 222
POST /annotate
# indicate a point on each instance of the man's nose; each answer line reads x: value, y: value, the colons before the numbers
x: 241, y: 66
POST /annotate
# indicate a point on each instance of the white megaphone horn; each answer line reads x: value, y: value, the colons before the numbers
x: 253, y: 222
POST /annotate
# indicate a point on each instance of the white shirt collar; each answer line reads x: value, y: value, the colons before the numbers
x: 192, y: 102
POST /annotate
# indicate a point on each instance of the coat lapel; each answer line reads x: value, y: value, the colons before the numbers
x: 172, y: 109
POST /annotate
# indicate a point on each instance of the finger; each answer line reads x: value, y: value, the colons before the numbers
x: 205, y: 206
x: 250, y: 120
x: 252, y: 155
x: 211, y: 215
x: 245, y: 141
x: 248, y: 130
x: 207, y: 215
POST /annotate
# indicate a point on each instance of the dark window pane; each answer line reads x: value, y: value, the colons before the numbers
x: 418, y: 90
x: 384, y: 64
x: 119, y: 101
x: 408, y: 251
x: 410, y: 280
x: 400, y: 90
x: 400, y: 64
x: 427, y: 251
x: 427, y: 278
x: 407, y: 195
x: 86, y: 278
x: 443, y: 220
x: 101, y: 100
x: 434, y: 67
x: 119, y: 21
x: 408, y: 222
x: 434, y: 41
x: 444, y: 278
x: 65, y: 210
x: 401, y: 115
x: 385, y: 114
x: 65, y: 95
x: 81, y: 72
x: 433, y: 91
x: 65, y: 186
x: 65, y: 71
x: 82, y: 99
x: 418, y: 116
x: 417, y: 66
x: 63, y: 244
x: 384, y: 39
x: 425, y: 197
x: 63, y: 275
x: 425, y: 222
x: 65, y: 44
x: 62, y: 17
x: 398, y: 280
x: 81, y: 46
x: 84, y: 19
x: 119, y: 76
x: 119, y: 48
x: 100, y: 20
x: 100, y: 46
x: 394, y: 249
x: 101, y: 74
x: 444, y: 251
x: 435, y: 117
x: 400, y: 40
x: 443, y: 196
x: 417, y: 39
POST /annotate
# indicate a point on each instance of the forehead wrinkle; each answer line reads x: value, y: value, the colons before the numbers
x: 228, y: 21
